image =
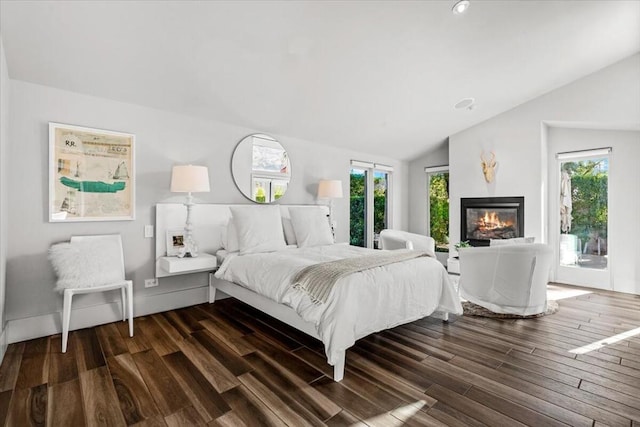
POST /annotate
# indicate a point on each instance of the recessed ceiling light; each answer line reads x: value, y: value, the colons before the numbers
x: 465, y: 103
x: 460, y: 7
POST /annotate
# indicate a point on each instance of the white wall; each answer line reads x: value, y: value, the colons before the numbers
x: 4, y: 217
x: 162, y: 139
x: 624, y: 197
x: 607, y: 99
x: 418, y: 195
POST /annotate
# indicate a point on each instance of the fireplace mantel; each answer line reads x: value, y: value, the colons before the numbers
x: 486, y: 218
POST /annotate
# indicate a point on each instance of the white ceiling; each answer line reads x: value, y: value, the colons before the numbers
x: 374, y: 76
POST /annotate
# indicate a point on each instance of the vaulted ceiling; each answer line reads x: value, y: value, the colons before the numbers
x: 375, y: 76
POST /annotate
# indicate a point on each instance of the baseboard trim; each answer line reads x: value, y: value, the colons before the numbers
x: 85, y: 317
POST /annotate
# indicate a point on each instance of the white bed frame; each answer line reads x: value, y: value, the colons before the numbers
x: 209, y: 220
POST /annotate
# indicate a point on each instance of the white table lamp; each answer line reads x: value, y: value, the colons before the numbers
x: 330, y: 189
x: 189, y: 179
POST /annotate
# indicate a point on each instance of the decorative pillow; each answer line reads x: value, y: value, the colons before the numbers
x: 230, y: 237
x: 85, y: 264
x: 311, y: 226
x: 289, y: 234
x: 259, y: 228
x: 514, y: 241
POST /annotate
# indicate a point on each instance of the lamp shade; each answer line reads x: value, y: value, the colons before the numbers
x: 330, y: 189
x: 190, y: 179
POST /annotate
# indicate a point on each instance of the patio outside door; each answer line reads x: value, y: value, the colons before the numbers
x: 583, y: 219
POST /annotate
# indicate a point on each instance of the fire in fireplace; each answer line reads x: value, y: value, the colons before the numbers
x: 486, y: 218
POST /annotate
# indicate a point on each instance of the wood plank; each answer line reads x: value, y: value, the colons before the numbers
x: 511, y: 409
x: 34, y: 366
x: 64, y: 409
x: 99, y: 398
x: 344, y: 419
x: 134, y: 398
x: 303, y: 370
x: 163, y: 387
x: 236, y: 343
x: 281, y: 409
x: 110, y: 340
x: 599, y: 407
x: 453, y: 417
x: 62, y: 366
x: 156, y: 336
x: 28, y: 407
x: 361, y: 383
x: 204, y: 397
x: 413, y: 416
x: 468, y: 406
x: 280, y: 339
x: 170, y: 327
x: 87, y: 349
x: 184, y: 417
x: 343, y: 397
x: 138, y: 342
x: 5, y: 400
x: 11, y: 366
x: 250, y: 409
x: 230, y: 419
x: 455, y: 384
x: 223, y: 354
x: 289, y: 388
x: 214, y: 371
x: 556, y: 405
x: 156, y: 421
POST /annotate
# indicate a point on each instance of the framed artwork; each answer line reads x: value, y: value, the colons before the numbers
x: 91, y: 174
x: 175, y: 241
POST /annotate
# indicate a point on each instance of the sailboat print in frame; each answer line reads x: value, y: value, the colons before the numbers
x: 91, y: 174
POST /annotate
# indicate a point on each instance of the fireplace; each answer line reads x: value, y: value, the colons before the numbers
x: 486, y: 218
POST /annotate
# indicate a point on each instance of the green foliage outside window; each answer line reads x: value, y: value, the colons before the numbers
x: 358, y: 207
x: 439, y: 210
x: 589, y: 183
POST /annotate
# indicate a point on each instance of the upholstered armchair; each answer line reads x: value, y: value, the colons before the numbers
x: 396, y: 239
x: 508, y: 279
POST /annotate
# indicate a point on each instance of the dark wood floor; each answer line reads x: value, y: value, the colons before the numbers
x: 229, y: 365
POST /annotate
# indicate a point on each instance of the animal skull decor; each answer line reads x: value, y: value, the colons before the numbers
x: 488, y: 167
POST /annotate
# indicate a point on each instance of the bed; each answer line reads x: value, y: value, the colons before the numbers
x: 359, y: 304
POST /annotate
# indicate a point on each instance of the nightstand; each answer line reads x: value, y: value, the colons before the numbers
x: 174, y: 265
x: 453, y: 268
x: 453, y: 265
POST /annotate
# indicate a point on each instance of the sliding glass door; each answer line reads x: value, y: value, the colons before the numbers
x: 358, y: 207
x: 370, y: 203
x: 583, y: 224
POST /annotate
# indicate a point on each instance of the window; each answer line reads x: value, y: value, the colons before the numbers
x: 370, y: 204
x: 438, y: 206
x: 270, y: 171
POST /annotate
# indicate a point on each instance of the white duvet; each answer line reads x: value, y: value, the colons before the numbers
x: 359, y: 304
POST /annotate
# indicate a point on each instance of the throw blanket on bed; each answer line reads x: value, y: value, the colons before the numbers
x: 318, y: 279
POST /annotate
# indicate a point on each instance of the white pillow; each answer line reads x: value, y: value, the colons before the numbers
x: 259, y: 228
x: 85, y: 264
x: 311, y: 226
x: 514, y: 241
x: 289, y: 234
x: 229, y: 237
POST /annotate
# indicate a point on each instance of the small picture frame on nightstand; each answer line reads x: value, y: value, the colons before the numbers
x: 175, y: 241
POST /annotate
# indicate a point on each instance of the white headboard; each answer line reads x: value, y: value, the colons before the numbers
x: 208, y: 222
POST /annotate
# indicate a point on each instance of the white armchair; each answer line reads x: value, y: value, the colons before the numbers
x: 396, y: 239
x: 506, y: 279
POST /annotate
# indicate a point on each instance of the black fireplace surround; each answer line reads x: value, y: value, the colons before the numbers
x: 486, y: 218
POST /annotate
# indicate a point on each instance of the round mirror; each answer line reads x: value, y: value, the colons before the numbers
x: 261, y: 168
